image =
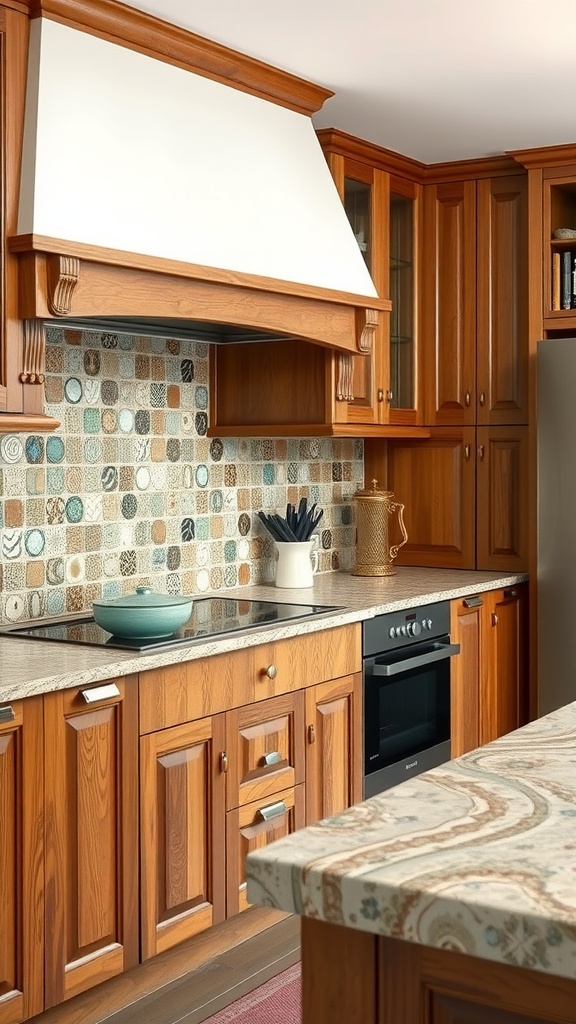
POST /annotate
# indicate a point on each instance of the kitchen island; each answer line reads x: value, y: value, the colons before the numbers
x: 450, y: 899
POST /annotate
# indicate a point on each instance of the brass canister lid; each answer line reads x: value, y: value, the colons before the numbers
x: 373, y: 492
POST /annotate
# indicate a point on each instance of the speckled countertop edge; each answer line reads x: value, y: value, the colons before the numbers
x: 31, y: 667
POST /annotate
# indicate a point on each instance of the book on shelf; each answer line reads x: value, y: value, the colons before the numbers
x: 556, y: 280
x: 566, y: 280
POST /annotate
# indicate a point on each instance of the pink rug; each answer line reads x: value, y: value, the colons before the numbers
x: 276, y: 1002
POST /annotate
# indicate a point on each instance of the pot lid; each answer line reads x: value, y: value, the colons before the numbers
x: 144, y: 597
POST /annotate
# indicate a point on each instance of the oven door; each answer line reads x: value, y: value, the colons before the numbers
x: 406, y: 713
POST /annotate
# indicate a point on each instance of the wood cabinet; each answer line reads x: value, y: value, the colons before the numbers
x: 290, y: 387
x: 352, y: 977
x: 489, y: 680
x: 21, y: 861
x: 475, y: 312
x: 21, y: 394
x: 237, y: 750
x: 91, y: 835
x: 465, y: 490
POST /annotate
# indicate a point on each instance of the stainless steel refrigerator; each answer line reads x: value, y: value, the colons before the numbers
x: 556, y: 390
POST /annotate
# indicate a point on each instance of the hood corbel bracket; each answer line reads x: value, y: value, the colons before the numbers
x: 63, y: 276
x: 33, y: 352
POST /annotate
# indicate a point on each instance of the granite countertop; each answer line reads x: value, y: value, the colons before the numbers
x: 477, y: 855
x: 29, y: 667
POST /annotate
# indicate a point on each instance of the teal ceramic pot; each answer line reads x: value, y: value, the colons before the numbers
x: 143, y: 615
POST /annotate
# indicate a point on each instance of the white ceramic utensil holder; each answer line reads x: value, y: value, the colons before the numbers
x: 297, y: 562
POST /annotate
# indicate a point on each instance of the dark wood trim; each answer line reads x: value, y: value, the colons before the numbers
x: 175, y: 45
x: 16, y: 422
x: 546, y: 156
x: 333, y: 140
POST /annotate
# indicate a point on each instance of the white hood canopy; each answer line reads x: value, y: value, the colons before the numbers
x: 156, y: 198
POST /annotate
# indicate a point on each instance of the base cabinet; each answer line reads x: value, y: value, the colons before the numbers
x: 182, y: 833
x: 91, y: 836
x: 489, y: 680
x: 21, y: 861
x: 215, y: 788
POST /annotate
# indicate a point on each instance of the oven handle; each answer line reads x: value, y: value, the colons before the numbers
x: 443, y: 651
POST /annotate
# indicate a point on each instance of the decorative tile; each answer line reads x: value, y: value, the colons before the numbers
x: 133, y: 488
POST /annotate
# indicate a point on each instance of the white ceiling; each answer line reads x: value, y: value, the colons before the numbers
x: 432, y: 79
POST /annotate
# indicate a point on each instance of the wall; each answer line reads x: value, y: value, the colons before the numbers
x: 130, y: 490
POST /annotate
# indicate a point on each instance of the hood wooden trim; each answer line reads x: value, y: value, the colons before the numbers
x: 64, y: 279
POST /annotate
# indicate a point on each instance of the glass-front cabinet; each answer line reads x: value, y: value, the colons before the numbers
x: 402, y: 274
x: 383, y: 210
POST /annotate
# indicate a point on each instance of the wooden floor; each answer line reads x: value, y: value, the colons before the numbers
x: 189, y: 983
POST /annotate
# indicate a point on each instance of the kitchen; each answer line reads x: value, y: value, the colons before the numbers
x: 134, y: 486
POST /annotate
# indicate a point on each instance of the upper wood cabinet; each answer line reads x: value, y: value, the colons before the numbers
x: 475, y: 306
x: 21, y: 861
x: 21, y: 394
x: 91, y: 848
x: 283, y: 388
x: 466, y: 493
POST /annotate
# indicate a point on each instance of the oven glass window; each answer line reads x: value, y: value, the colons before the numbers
x: 405, y: 713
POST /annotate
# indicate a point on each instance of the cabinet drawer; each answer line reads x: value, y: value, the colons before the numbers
x: 265, y: 747
x: 253, y: 827
x: 207, y: 686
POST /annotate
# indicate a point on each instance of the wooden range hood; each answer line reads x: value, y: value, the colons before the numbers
x: 106, y: 241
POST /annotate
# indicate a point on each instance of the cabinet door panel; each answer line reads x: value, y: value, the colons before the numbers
x: 502, y: 328
x: 265, y: 746
x: 21, y: 870
x: 449, y: 304
x: 502, y: 508
x: 465, y: 673
x: 503, y: 683
x: 435, y: 480
x: 248, y: 828
x: 91, y: 839
x: 334, y: 747
x: 182, y: 833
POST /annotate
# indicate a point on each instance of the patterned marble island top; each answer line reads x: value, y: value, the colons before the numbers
x: 29, y: 667
x: 478, y: 855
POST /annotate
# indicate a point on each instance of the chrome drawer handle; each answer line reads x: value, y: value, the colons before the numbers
x: 472, y: 602
x: 7, y: 714
x: 100, y: 693
x: 273, y: 810
x: 272, y: 758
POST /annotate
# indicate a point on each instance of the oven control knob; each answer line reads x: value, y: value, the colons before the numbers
x: 402, y: 630
x: 424, y: 624
x: 413, y: 629
x: 392, y: 632
x: 429, y: 623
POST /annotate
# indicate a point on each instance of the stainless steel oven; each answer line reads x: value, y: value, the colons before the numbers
x: 406, y: 666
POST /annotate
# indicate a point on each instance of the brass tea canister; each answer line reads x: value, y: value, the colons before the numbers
x: 374, y: 555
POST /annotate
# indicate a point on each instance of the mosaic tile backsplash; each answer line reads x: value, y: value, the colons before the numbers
x: 130, y: 490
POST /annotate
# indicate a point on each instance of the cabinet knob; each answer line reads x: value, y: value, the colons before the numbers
x: 481, y: 452
x: 389, y: 396
x: 223, y: 761
x: 271, y: 671
x: 380, y: 394
x: 466, y: 451
x: 494, y: 619
x: 482, y: 398
x: 311, y: 734
x: 467, y: 398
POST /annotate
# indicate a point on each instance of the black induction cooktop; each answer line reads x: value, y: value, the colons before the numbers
x: 211, y: 617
